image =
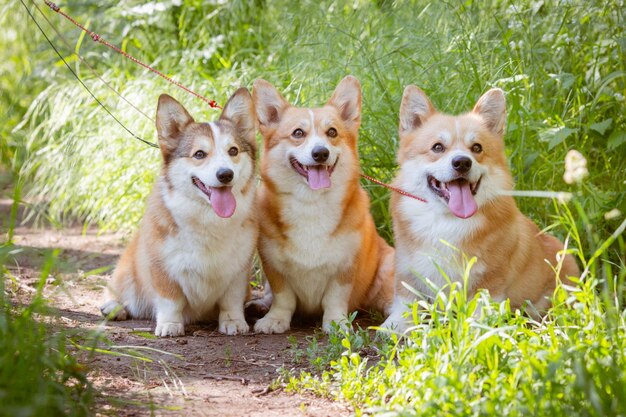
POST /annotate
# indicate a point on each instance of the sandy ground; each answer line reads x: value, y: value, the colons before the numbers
x: 203, y: 373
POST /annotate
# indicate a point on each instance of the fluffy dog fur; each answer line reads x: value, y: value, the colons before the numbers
x: 318, y: 243
x: 191, y: 257
x: 458, y: 164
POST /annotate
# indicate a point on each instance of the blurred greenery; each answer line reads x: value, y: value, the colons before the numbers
x: 561, y: 64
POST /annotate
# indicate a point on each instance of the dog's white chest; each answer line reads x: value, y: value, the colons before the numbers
x: 201, y: 267
x: 315, y: 253
x: 438, y: 260
x: 207, y: 254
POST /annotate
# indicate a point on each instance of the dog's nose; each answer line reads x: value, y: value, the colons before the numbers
x: 320, y: 153
x: 461, y: 164
x: 225, y: 175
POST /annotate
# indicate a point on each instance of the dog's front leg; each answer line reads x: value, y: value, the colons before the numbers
x: 169, y: 316
x: 231, y: 318
x: 278, y: 319
x: 335, y: 304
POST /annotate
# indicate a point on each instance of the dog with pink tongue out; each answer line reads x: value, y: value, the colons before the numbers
x: 318, y: 243
x: 459, y: 165
x: 192, y: 255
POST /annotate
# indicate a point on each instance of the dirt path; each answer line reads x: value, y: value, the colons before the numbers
x: 201, y: 374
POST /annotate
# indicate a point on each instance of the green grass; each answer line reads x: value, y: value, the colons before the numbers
x: 561, y: 64
x: 467, y: 357
x: 39, y: 373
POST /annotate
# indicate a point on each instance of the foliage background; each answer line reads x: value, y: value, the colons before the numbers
x: 561, y: 64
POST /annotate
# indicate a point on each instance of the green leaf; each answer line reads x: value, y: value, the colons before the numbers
x: 556, y: 135
x: 345, y: 343
x: 147, y: 335
x: 530, y: 159
x: 602, y: 127
x: 617, y: 138
x: 564, y: 80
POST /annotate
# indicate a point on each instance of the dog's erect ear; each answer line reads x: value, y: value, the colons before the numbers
x: 268, y: 102
x: 492, y: 108
x: 347, y: 99
x: 171, y: 119
x: 414, y: 109
x: 239, y: 110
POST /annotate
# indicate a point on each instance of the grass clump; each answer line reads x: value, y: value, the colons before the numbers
x: 39, y: 374
x: 573, y: 363
x: 468, y: 357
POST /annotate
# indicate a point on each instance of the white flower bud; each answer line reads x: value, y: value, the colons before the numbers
x: 575, y: 167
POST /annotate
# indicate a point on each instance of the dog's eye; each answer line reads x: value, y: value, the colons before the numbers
x: 233, y: 151
x: 199, y: 155
x: 298, y: 133
x: 332, y: 132
x: 438, y: 148
x: 477, y: 148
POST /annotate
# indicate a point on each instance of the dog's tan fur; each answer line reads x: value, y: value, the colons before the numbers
x: 186, y: 262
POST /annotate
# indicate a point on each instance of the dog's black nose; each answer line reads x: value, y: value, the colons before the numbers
x: 225, y: 175
x: 320, y: 153
x: 461, y: 164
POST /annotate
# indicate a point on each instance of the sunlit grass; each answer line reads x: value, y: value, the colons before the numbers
x: 474, y: 357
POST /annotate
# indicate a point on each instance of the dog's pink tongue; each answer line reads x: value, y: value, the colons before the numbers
x: 318, y: 177
x: 223, y: 201
x: 461, y: 203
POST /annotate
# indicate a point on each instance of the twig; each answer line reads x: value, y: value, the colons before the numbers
x: 261, y: 392
x: 217, y: 377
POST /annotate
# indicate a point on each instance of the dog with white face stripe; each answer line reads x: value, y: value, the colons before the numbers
x: 318, y: 243
x: 191, y: 257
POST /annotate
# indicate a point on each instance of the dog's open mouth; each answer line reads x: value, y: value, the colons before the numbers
x: 221, y: 198
x: 317, y: 176
x: 458, y: 195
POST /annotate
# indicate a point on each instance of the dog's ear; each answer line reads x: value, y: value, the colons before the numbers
x: 492, y: 108
x: 268, y: 102
x: 239, y: 110
x: 347, y: 99
x: 171, y: 119
x: 414, y: 109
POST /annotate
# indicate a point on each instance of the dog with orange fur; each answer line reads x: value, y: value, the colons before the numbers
x: 318, y: 243
x: 458, y: 163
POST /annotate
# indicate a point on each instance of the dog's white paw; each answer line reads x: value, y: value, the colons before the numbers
x: 169, y: 329
x: 112, y: 310
x: 269, y: 325
x: 233, y: 327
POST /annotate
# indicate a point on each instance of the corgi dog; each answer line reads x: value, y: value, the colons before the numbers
x: 318, y: 243
x: 458, y: 164
x: 192, y: 255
